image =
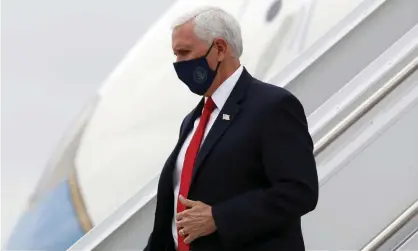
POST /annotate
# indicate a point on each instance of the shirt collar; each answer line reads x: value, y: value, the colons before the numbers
x: 222, y: 93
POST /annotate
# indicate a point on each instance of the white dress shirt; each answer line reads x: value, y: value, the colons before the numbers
x: 219, y: 98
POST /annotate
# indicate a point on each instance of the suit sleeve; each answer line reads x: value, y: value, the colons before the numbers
x: 289, y: 165
x: 148, y: 246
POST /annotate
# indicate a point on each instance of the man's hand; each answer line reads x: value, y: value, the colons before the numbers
x: 196, y: 221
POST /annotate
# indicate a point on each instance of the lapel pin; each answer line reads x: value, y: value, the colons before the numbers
x: 225, y: 117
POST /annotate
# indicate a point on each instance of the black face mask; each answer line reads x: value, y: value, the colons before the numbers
x: 196, y: 73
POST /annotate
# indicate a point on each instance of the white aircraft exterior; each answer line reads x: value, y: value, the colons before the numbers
x: 121, y: 141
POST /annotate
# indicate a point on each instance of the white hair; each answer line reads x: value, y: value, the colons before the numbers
x: 212, y: 22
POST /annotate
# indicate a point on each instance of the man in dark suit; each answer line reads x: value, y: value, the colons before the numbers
x: 243, y: 172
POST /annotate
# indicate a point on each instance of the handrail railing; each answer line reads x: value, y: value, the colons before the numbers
x: 390, y: 230
x: 366, y: 106
x: 406, y: 241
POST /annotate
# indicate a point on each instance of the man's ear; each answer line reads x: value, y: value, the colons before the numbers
x: 221, y: 47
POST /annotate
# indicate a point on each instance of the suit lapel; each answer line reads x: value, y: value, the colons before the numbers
x: 187, y: 127
x: 231, y: 109
x: 189, y: 122
x: 218, y: 128
x: 165, y: 185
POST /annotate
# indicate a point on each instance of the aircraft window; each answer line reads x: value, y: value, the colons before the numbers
x: 274, y: 10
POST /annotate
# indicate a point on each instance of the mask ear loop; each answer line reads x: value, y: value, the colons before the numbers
x: 210, y: 48
x: 217, y: 66
x: 207, y: 53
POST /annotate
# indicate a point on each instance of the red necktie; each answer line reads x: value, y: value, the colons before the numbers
x: 189, y: 160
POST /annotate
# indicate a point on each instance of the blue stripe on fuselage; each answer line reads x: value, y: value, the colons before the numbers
x: 51, y: 225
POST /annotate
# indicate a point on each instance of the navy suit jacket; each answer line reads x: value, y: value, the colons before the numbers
x: 256, y: 170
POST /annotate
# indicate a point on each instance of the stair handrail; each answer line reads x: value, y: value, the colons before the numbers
x: 392, y: 228
x: 366, y: 106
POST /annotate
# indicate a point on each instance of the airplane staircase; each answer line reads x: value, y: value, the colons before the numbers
x: 359, y: 87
